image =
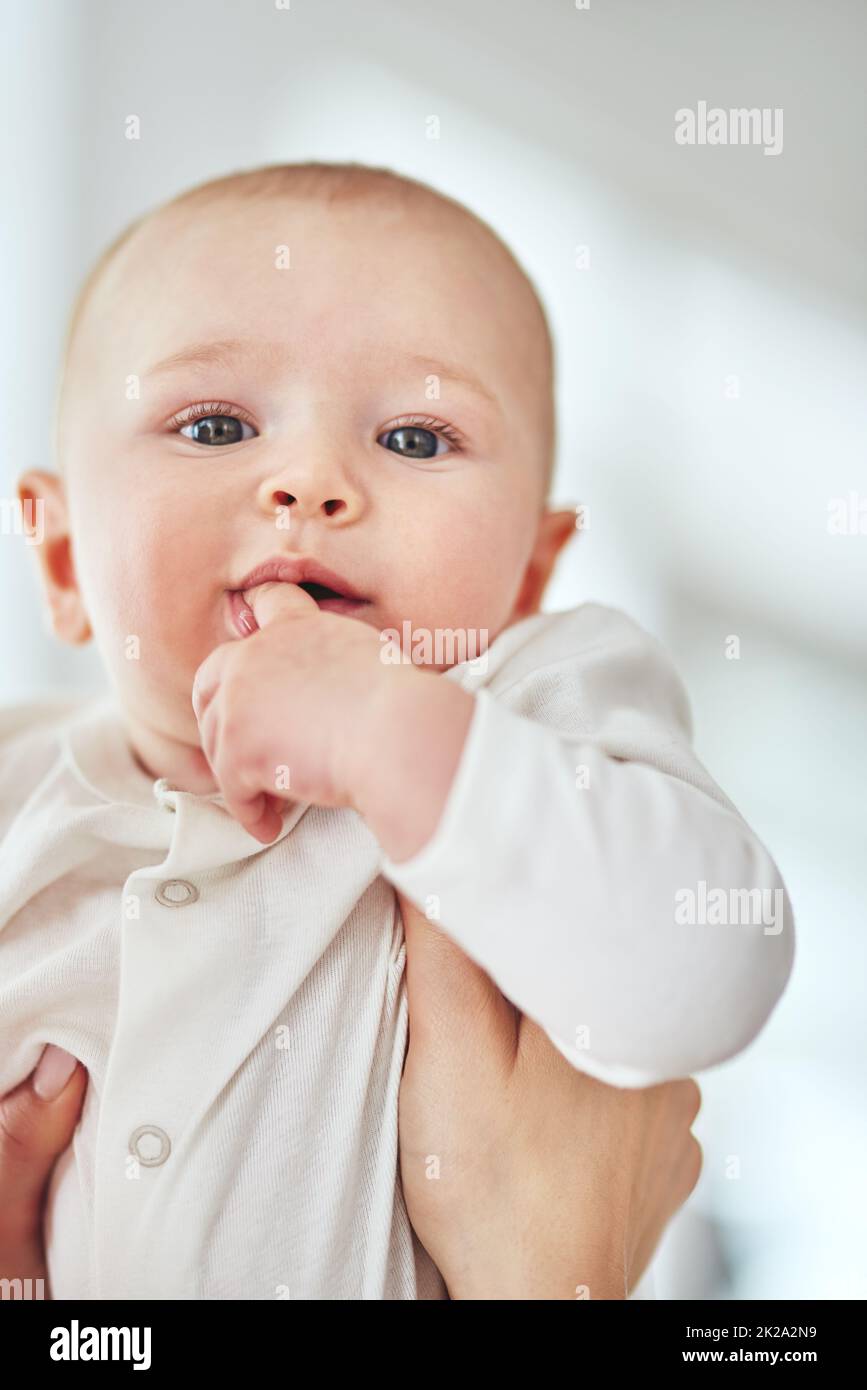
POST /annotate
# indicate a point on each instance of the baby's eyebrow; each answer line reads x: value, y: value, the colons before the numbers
x: 452, y: 371
x: 219, y: 354
x: 227, y: 350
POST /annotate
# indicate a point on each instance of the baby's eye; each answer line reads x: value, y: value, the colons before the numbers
x: 217, y: 429
x: 412, y: 441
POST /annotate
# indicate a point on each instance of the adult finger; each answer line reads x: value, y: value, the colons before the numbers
x: 37, y: 1120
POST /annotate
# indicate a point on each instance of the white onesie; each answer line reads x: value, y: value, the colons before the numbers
x: 241, y: 1009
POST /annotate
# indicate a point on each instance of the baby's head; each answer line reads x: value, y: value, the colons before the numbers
x: 322, y: 361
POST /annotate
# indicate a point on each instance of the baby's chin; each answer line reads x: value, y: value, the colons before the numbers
x: 169, y: 747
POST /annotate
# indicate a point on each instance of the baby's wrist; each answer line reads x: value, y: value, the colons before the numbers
x: 408, y: 754
x: 369, y: 741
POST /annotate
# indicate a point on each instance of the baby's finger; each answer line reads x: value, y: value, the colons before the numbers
x: 258, y: 811
x: 258, y: 816
x: 279, y: 600
x: 206, y: 681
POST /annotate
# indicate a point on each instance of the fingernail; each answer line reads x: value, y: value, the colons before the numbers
x: 54, y: 1070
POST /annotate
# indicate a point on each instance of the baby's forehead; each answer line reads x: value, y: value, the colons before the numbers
x: 371, y: 273
x: 374, y: 241
x: 384, y: 248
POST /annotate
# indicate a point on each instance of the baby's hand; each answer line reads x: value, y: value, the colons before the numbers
x: 287, y: 713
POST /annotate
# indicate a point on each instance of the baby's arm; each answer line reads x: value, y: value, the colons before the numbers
x: 586, y: 860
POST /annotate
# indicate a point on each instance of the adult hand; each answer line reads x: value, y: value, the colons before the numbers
x: 37, y: 1120
x: 523, y: 1177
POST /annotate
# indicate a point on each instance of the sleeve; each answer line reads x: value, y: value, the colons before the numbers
x: 588, y: 863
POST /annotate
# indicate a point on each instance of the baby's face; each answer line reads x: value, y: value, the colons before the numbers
x: 374, y: 407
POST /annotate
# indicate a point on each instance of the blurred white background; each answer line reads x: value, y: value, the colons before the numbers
x: 711, y: 380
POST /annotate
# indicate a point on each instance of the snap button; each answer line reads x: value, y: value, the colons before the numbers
x: 150, y: 1145
x: 176, y: 892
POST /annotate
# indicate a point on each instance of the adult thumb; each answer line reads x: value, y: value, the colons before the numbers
x: 448, y: 994
x: 37, y: 1120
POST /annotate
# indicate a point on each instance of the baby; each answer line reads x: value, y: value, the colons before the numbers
x: 305, y: 436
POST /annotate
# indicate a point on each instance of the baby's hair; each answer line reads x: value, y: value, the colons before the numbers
x: 332, y: 183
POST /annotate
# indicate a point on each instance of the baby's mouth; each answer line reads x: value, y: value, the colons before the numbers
x: 332, y: 600
x: 322, y: 591
x: 244, y: 619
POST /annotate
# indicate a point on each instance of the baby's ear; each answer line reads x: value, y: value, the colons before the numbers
x: 554, y: 531
x: 46, y: 522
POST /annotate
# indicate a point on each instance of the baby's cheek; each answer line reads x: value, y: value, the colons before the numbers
x: 136, y: 611
x: 479, y: 585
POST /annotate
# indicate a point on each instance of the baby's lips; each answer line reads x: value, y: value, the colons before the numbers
x: 241, y: 616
